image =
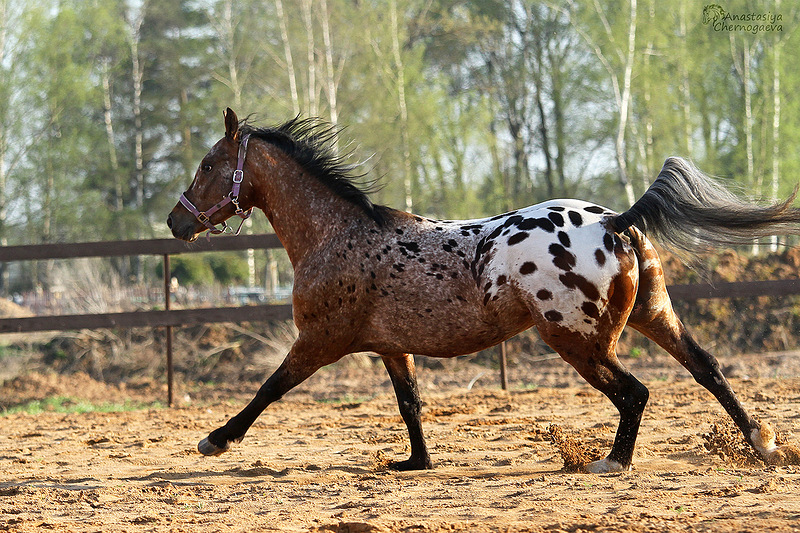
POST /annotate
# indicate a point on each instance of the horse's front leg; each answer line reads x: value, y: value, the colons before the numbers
x: 305, y: 358
x: 404, y: 379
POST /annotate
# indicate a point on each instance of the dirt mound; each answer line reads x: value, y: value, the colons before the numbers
x: 35, y: 387
x: 9, y: 309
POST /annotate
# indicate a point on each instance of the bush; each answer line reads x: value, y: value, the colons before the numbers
x: 205, y: 269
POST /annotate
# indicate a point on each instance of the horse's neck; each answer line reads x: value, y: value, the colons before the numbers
x: 303, y: 212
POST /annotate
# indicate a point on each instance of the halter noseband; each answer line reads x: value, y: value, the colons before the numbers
x: 233, y: 197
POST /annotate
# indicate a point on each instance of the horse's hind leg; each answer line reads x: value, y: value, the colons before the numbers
x: 303, y: 360
x: 654, y: 317
x: 404, y: 380
x: 598, y: 364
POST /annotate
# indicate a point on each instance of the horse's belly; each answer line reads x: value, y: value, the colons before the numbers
x: 447, y: 330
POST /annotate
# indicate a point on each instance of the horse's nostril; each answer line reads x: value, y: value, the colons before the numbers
x: 169, y: 221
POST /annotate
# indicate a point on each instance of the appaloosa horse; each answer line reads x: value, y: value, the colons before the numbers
x: 370, y: 278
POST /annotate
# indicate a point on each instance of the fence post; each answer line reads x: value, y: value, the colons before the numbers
x: 167, y: 305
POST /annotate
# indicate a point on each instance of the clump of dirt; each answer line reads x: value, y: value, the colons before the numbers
x: 727, y: 441
x: 574, y: 453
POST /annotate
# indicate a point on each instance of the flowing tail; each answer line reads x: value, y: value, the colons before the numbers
x: 690, y: 212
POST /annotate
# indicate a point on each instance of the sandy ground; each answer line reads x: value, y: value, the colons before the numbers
x: 317, y: 461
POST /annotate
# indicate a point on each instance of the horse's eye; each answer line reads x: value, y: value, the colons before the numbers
x: 206, y: 168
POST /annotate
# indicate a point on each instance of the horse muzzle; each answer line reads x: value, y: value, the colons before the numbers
x: 183, y: 225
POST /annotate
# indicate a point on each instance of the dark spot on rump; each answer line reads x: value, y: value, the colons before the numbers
x: 564, y: 238
x: 561, y: 257
x: 464, y: 233
x: 517, y: 238
x: 487, y: 286
x: 600, y: 257
x: 439, y: 275
x: 511, y: 221
x: 400, y: 267
x: 572, y: 280
x: 544, y: 294
x: 557, y: 219
x: 546, y: 224
x: 608, y: 242
x: 501, y: 280
x: 527, y: 267
x: 410, y: 246
x: 554, y: 316
x: 496, y: 233
x: 399, y: 231
x: 596, y: 209
x: 555, y: 208
x: 575, y: 218
x: 486, y: 299
x: 590, y: 309
x: 453, y: 243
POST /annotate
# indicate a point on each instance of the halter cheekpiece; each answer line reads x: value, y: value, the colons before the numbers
x: 233, y: 198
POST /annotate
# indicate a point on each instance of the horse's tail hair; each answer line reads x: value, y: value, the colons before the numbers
x: 690, y: 212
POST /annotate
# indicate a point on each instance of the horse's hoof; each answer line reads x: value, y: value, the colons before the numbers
x: 206, y: 447
x: 411, y: 464
x: 605, y: 466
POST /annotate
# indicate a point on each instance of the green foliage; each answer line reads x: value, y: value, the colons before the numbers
x: 67, y: 404
x: 207, y: 269
x: 470, y: 107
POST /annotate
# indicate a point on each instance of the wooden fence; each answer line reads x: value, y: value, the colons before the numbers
x: 169, y: 318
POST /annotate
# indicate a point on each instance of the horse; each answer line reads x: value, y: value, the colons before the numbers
x: 368, y: 278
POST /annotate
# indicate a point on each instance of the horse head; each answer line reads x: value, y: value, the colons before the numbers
x: 218, y: 190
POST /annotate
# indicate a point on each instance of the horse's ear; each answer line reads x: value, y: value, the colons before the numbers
x: 231, y: 124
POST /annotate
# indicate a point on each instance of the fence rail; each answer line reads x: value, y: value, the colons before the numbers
x: 169, y: 318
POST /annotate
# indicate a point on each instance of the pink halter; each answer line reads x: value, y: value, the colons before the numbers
x: 233, y: 197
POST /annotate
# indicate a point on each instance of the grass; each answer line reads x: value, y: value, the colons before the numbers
x: 70, y: 405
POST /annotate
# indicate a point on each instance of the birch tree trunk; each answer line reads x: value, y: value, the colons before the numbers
x: 287, y: 53
x: 743, y: 69
x: 112, y: 145
x: 137, y: 77
x: 400, y: 78
x: 624, y: 106
x: 308, y: 20
x: 776, y: 124
x: 330, y: 74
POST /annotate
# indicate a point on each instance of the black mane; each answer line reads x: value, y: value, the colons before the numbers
x: 310, y: 142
